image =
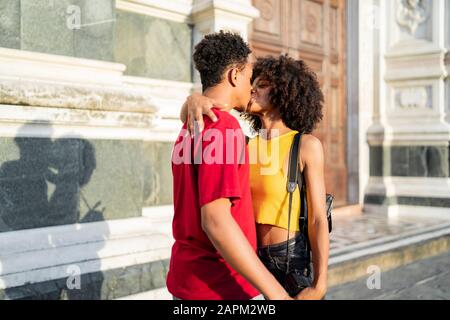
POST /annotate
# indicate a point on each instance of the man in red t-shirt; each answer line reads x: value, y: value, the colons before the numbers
x: 214, y: 254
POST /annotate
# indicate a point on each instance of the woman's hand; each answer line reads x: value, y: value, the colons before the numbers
x: 311, y: 293
x: 194, y: 108
x: 313, y: 158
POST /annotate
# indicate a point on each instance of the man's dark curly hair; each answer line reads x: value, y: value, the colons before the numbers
x: 217, y: 52
x: 295, y: 92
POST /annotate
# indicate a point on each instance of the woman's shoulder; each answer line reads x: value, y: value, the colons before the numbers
x: 310, y: 141
x: 311, y: 148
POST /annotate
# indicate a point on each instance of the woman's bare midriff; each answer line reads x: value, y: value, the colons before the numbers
x: 268, y: 234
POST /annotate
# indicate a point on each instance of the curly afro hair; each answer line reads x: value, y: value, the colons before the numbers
x: 295, y: 92
x: 218, y: 52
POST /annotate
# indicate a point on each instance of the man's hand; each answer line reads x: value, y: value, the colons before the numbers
x: 194, y: 108
x: 311, y: 293
x: 229, y: 240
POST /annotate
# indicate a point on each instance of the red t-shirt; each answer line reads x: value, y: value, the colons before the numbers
x: 197, y: 271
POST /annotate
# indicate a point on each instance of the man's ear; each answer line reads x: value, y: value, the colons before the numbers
x: 232, y: 76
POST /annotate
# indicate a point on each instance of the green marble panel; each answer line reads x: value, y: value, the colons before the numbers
x: 10, y: 24
x: 152, y: 47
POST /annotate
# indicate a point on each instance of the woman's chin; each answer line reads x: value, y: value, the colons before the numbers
x: 254, y: 107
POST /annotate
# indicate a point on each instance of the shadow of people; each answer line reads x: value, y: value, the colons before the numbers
x: 23, y: 186
x: 44, y: 188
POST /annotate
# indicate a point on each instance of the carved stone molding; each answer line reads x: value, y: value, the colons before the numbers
x: 87, y: 119
x: 411, y: 14
x: 175, y: 10
x: 447, y: 94
x: 404, y: 65
x: 39, y: 255
x: 55, y: 95
x: 413, y: 98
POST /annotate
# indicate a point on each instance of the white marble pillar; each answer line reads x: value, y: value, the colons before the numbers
x: 409, y: 135
x: 210, y: 16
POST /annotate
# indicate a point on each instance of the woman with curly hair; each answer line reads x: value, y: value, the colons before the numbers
x: 286, y: 100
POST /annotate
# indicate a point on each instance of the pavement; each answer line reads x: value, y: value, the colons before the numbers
x: 354, y: 231
x: 375, y: 256
x: 410, y: 252
x: 426, y: 279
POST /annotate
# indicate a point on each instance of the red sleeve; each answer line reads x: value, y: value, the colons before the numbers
x: 218, y: 172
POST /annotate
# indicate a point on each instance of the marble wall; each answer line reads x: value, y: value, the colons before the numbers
x: 77, y: 28
x: 152, y: 47
x: 409, y: 161
x: 85, y: 144
x: 48, y: 182
x: 111, y: 284
x: 10, y: 24
x: 97, y: 30
x: 408, y: 136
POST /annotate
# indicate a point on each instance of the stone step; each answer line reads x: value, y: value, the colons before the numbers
x: 352, y: 263
x: 347, y: 263
x: 426, y: 279
x: 156, y: 294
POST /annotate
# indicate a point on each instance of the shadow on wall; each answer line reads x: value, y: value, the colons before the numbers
x: 44, y: 188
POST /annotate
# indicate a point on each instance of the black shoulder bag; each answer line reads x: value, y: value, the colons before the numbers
x: 296, y: 280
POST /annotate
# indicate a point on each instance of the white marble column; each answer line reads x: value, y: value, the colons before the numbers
x: 410, y: 133
x: 210, y: 16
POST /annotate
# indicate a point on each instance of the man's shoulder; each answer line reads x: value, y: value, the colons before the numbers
x: 225, y: 120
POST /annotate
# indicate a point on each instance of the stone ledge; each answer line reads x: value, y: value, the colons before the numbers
x: 238, y: 8
x: 178, y: 10
x: 45, y: 254
x: 43, y: 66
x: 54, y: 81
x: 352, y: 266
x: 183, y: 10
x: 407, y: 200
x: 155, y: 294
x: 55, y: 95
x: 168, y: 96
x: 111, y: 284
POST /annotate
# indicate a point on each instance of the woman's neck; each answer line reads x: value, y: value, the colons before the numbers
x: 273, y: 125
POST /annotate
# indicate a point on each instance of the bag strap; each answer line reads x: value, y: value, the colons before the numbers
x: 303, y: 220
x: 292, y: 184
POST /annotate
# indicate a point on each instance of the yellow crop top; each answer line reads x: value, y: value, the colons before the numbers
x: 268, y: 181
